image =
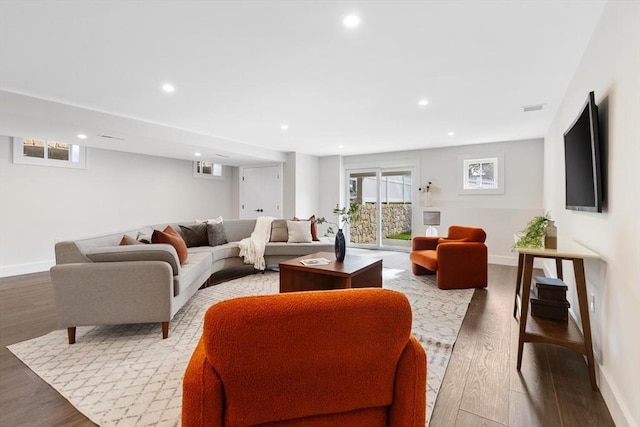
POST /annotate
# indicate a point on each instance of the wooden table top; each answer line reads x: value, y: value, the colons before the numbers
x: 352, y: 264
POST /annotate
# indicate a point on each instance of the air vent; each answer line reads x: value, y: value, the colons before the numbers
x: 110, y: 137
x: 533, y: 108
x: 222, y: 155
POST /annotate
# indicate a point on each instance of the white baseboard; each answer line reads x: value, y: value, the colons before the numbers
x: 34, y: 267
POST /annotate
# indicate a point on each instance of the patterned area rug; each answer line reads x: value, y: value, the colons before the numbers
x: 127, y: 375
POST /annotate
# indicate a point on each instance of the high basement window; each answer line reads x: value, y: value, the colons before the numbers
x: 202, y: 169
x: 40, y: 152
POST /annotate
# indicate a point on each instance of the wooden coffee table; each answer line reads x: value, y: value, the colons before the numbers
x: 354, y: 272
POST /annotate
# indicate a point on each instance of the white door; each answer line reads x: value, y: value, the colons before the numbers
x: 260, y: 191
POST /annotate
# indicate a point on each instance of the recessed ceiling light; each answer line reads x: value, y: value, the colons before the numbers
x: 423, y: 102
x: 284, y: 127
x: 341, y: 146
x: 196, y: 154
x: 82, y: 136
x: 451, y: 134
x: 351, y: 21
x: 167, y: 87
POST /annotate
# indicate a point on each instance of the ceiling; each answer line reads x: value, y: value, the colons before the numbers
x: 242, y: 69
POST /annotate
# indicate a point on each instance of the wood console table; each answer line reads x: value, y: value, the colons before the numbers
x: 536, y: 329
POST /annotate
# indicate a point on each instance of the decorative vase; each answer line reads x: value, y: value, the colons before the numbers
x: 340, y: 246
x: 427, y: 199
x: 551, y: 236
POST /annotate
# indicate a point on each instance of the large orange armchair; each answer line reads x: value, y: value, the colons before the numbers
x: 318, y: 358
x: 458, y: 260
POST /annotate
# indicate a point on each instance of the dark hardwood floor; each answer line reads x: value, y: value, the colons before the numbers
x: 481, y: 386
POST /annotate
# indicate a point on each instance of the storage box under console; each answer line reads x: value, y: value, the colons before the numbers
x: 550, y: 288
x: 549, y: 299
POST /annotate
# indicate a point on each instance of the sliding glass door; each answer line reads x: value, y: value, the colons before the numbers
x: 385, y: 196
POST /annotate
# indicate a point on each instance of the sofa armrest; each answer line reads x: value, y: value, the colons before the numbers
x: 202, y: 393
x: 147, y: 252
x: 409, y: 396
x: 475, y: 258
x: 420, y: 243
x: 107, y: 293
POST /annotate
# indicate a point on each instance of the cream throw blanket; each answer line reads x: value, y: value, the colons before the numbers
x: 252, y: 248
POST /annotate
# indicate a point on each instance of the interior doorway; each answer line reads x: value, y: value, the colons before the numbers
x: 261, y: 191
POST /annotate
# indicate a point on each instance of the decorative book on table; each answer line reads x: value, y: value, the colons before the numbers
x: 316, y: 261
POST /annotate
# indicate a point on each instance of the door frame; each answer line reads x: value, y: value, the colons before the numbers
x: 379, y: 171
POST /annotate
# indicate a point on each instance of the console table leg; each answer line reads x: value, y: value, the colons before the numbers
x: 559, y: 269
x: 581, y: 288
x: 518, y: 283
x: 524, y: 304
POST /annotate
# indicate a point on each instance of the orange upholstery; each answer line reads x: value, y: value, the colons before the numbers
x: 459, y: 260
x: 318, y: 358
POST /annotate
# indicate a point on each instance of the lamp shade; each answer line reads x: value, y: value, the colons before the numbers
x: 431, y: 217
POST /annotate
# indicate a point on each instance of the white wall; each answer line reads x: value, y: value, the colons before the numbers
x: 307, y: 185
x: 500, y: 215
x: 611, y: 68
x: 41, y: 205
x: 301, y: 185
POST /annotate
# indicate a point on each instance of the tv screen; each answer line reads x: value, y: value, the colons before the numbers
x: 582, y: 161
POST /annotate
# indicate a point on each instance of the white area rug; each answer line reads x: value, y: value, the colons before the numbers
x: 128, y: 375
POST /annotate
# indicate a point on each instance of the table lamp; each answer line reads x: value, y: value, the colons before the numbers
x: 431, y: 218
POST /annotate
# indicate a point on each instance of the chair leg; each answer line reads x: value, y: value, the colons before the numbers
x: 165, y: 330
x: 71, y: 333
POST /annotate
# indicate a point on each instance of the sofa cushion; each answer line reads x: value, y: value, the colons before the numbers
x: 197, y: 265
x: 194, y: 234
x: 426, y: 258
x: 294, y: 250
x: 171, y: 237
x: 279, y: 232
x: 314, y: 227
x: 299, y: 231
x: 160, y: 252
x: 216, y: 234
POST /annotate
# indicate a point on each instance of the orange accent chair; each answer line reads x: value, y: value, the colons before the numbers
x: 458, y: 260
x: 316, y: 358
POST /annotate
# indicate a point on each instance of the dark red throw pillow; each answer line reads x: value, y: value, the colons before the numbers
x: 171, y: 237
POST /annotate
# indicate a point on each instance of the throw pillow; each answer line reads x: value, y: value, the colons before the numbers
x: 314, y: 228
x: 216, y: 235
x: 210, y: 221
x: 171, y: 237
x: 143, y: 238
x: 279, y: 231
x: 195, y: 234
x: 299, y: 231
x: 128, y: 240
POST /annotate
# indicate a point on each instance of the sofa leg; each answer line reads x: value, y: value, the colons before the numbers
x: 71, y: 333
x: 165, y: 330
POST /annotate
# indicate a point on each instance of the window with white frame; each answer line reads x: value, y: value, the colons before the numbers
x: 203, y: 169
x: 40, y: 152
x: 481, y: 174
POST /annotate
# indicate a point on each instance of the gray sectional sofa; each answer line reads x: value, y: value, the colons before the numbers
x: 98, y: 282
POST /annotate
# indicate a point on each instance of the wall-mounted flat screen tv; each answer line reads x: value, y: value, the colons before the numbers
x: 582, y: 161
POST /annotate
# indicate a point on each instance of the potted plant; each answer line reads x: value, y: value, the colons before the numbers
x: 533, y: 234
x: 345, y: 216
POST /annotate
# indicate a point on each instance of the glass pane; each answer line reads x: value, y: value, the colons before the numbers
x: 488, y: 175
x: 33, y: 148
x: 206, y: 168
x: 217, y: 169
x: 58, y: 151
x: 396, y: 208
x: 75, y: 153
x: 363, y: 187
